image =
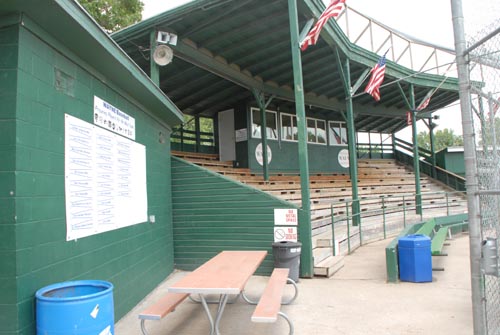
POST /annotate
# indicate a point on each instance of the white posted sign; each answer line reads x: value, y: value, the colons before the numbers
x: 105, y: 180
x: 286, y: 217
x: 285, y: 234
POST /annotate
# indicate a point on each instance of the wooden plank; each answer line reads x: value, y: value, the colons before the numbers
x: 162, y: 307
x: 427, y: 228
x: 226, y: 273
x: 270, y: 303
x: 438, y: 241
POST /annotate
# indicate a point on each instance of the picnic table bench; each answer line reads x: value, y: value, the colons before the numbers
x: 226, y: 274
x: 161, y: 308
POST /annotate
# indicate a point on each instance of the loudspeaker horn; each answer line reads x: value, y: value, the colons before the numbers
x: 163, y: 55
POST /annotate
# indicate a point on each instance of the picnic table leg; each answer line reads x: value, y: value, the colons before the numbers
x: 220, y: 310
x: 214, y: 326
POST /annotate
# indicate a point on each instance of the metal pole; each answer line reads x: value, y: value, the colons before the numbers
x: 404, y: 212
x: 433, y: 149
x: 416, y: 160
x: 383, y: 215
x: 305, y: 231
x: 447, y: 205
x: 351, y: 133
x: 472, y: 185
x: 333, y: 232
x: 154, y: 72
x: 259, y: 97
x: 348, y: 229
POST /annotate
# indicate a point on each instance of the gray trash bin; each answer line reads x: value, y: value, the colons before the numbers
x: 287, y: 255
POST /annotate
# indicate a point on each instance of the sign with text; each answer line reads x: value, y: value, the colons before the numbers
x: 105, y: 180
x: 286, y: 217
x: 113, y: 119
x: 285, y: 234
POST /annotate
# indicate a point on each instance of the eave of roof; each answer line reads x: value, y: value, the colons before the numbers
x: 71, y: 25
x: 212, y: 38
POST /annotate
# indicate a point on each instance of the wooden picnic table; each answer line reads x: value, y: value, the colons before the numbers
x: 225, y: 274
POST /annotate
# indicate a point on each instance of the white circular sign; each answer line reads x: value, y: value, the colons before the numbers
x: 344, y: 158
x: 258, y: 154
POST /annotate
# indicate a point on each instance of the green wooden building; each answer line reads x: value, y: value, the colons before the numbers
x: 451, y: 159
x: 236, y: 64
x: 64, y: 84
x: 81, y: 111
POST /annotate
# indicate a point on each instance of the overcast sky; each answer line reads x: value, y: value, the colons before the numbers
x: 427, y: 20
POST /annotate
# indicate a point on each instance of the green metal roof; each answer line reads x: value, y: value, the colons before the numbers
x: 69, y: 23
x: 228, y: 47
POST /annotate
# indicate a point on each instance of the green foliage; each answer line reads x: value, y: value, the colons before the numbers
x: 113, y: 15
x: 442, y: 139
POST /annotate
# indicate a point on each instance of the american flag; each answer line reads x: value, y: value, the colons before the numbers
x: 333, y: 10
x: 378, y: 73
x: 424, y: 104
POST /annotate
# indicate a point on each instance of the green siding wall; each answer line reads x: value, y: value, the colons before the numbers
x: 285, y: 157
x: 213, y: 213
x: 8, y: 84
x: 33, y: 248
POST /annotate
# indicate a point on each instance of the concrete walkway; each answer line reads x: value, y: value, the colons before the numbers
x: 356, y: 300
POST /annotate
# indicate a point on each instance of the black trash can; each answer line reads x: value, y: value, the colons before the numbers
x: 287, y: 255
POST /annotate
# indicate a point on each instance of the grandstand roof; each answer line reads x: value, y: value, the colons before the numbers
x: 226, y: 48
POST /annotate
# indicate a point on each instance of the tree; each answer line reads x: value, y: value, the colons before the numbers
x: 113, y: 15
x: 442, y: 139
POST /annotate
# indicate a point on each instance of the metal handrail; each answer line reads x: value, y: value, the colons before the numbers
x: 384, y: 206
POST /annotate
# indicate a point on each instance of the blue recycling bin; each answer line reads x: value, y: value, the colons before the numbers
x: 81, y: 307
x: 415, y: 258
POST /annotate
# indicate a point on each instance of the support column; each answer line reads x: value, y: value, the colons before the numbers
x: 197, y: 130
x: 154, y: 72
x: 305, y: 232
x: 433, y: 148
x: 416, y: 159
x: 259, y: 97
x: 351, y: 142
x: 471, y: 173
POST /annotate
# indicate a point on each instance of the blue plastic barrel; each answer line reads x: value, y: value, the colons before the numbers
x: 415, y: 259
x: 75, y: 308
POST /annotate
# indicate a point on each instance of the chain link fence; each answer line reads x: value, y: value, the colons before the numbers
x: 484, y: 70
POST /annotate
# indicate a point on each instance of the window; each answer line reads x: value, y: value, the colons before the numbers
x: 337, y: 133
x: 316, y: 131
x: 271, y: 124
x: 289, y: 130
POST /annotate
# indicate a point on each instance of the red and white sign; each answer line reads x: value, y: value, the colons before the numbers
x: 285, y: 234
x: 286, y: 217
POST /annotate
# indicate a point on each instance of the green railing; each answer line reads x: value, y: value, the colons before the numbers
x: 384, y: 216
x: 374, y: 151
x: 189, y: 140
x: 446, y: 177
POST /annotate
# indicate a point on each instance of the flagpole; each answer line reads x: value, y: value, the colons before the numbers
x: 305, y: 229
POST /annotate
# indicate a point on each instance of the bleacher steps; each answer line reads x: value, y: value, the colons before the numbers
x: 329, y: 266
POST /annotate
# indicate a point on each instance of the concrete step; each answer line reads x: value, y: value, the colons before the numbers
x: 329, y: 266
x: 320, y: 254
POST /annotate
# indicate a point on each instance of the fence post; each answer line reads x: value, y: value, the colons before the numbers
x: 447, y: 205
x: 348, y: 229
x: 404, y: 212
x: 333, y: 232
x: 383, y: 216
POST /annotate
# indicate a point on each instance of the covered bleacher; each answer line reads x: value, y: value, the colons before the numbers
x: 233, y: 64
